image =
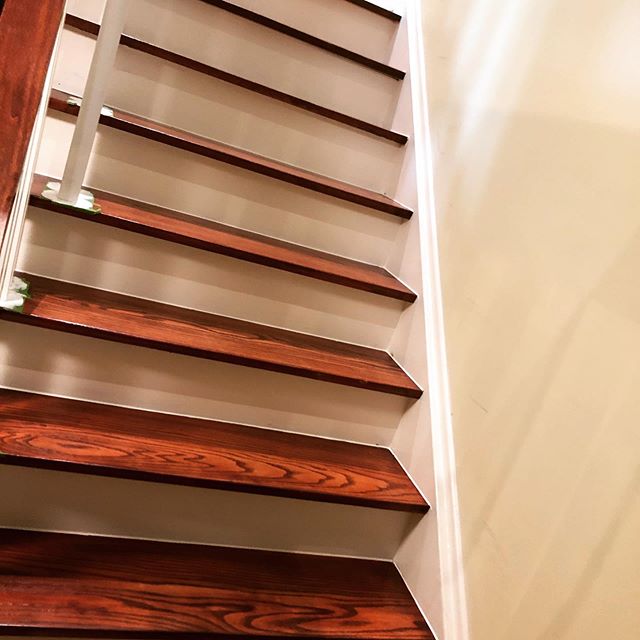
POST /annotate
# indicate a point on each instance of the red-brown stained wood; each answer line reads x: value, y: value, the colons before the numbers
x: 88, y: 585
x: 207, y: 235
x: 193, y: 143
x: 285, y: 29
x: 86, y: 26
x: 69, y: 435
x: 92, y: 312
x: 27, y: 34
x: 375, y: 8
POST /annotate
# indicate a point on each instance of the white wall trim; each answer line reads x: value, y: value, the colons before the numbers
x: 454, y: 600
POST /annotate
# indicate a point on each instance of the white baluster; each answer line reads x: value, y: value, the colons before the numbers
x: 70, y: 191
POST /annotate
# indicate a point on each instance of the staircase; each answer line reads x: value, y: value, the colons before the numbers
x: 236, y: 327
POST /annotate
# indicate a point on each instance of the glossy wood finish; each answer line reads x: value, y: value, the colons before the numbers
x: 69, y: 435
x: 385, y: 69
x: 86, y: 26
x: 28, y: 31
x: 111, y: 316
x: 374, y: 8
x: 179, y: 139
x: 88, y: 584
x: 215, y: 237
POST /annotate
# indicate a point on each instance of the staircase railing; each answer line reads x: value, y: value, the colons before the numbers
x: 30, y: 33
x: 29, y: 37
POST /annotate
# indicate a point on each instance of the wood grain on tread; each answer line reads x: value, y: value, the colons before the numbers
x: 28, y: 31
x: 285, y: 29
x: 87, y: 584
x: 92, y: 312
x: 375, y: 8
x: 70, y: 435
x: 179, y: 139
x: 86, y: 26
x: 165, y: 224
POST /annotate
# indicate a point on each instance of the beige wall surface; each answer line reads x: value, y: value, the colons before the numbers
x: 535, y: 117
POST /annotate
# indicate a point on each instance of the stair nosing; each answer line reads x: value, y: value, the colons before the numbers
x: 93, y: 28
x: 375, y: 8
x: 26, y: 413
x: 171, y: 589
x: 378, y: 363
x: 395, y: 289
x: 302, y: 36
x: 192, y: 417
x: 237, y: 157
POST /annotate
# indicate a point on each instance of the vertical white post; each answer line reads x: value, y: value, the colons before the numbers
x: 92, y: 102
x: 11, y: 288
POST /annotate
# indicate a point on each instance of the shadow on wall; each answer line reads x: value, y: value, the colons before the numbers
x: 534, y: 116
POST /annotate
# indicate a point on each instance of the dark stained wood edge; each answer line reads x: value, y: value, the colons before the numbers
x: 158, y: 478
x: 94, y: 584
x: 96, y: 313
x: 374, y: 8
x: 39, y: 632
x: 234, y: 156
x: 306, y: 467
x: 86, y: 26
x: 385, y: 69
x: 28, y: 30
x: 121, y: 213
x: 81, y: 634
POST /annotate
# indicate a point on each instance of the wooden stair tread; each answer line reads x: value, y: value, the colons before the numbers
x: 180, y: 139
x: 75, y: 584
x: 70, y: 435
x: 92, y: 28
x: 124, y: 213
x: 375, y: 8
x: 86, y: 311
x: 287, y: 30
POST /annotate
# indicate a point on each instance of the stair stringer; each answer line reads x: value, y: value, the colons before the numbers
x: 423, y: 441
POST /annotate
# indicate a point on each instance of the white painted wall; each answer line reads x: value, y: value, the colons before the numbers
x: 534, y: 110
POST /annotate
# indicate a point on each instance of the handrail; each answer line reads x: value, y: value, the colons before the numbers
x: 29, y: 31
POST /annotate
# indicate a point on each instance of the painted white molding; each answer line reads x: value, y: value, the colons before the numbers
x: 392, y: 5
x: 454, y: 600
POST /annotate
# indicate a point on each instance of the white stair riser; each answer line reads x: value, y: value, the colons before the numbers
x: 98, y: 256
x: 153, y: 172
x: 85, y: 504
x: 57, y: 363
x: 341, y: 23
x: 223, y: 40
x: 168, y: 93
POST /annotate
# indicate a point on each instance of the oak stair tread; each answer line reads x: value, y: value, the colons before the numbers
x: 376, y: 8
x: 179, y: 139
x: 257, y: 18
x: 112, y: 316
x: 71, y: 435
x: 79, y: 585
x: 92, y: 28
x: 166, y: 224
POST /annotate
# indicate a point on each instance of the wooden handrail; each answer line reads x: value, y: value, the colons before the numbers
x: 28, y: 30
